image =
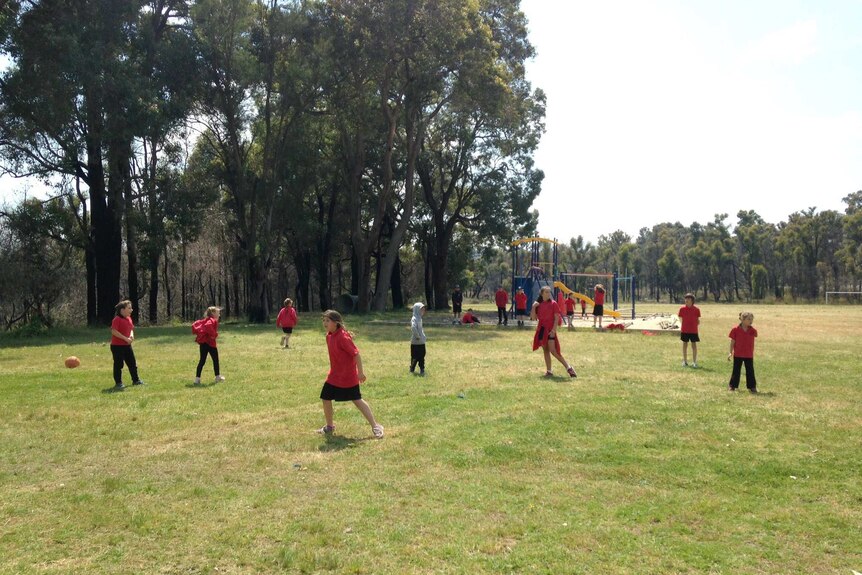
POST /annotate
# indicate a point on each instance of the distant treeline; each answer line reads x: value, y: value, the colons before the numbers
x: 749, y: 260
x: 235, y: 152
x: 296, y: 139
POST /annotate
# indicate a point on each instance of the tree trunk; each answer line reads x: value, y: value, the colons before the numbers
x: 384, y: 278
x: 428, y: 277
x: 105, y: 232
x: 122, y: 171
x: 90, y: 257
x: 325, y: 215
x: 397, y: 293
x: 153, y: 311
x: 168, y: 291
x: 302, y: 261
x: 440, y: 269
x: 183, y: 295
x: 258, y: 308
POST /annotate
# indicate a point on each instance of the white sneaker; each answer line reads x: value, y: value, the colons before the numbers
x: 694, y: 365
x: 377, y: 430
x: 197, y: 381
x: 219, y: 378
x: 685, y: 364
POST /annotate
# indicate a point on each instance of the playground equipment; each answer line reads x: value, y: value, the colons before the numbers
x: 530, y: 272
x: 562, y: 287
x: 528, y: 269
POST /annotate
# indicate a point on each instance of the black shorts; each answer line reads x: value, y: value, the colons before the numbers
x: 456, y: 308
x: 333, y: 393
x: 689, y: 337
x: 570, y: 313
x: 598, y: 310
x: 521, y: 312
x: 287, y: 329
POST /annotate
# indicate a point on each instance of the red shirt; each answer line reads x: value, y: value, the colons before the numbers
x: 743, y: 341
x: 689, y: 317
x: 570, y: 305
x: 286, y: 317
x: 545, y: 314
x: 124, y: 325
x: 521, y: 301
x: 208, y: 332
x: 583, y: 304
x: 342, y: 359
x: 600, y: 297
x: 501, y: 297
x: 469, y: 318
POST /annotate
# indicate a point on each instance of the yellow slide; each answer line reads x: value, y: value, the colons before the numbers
x: 586, y: 298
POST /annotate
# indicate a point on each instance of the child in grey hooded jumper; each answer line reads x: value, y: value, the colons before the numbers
x: 417, y: 339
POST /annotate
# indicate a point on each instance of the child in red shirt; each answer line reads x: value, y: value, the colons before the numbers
x: 570, y: 309
x: 345, y: 374
x: 599, y: 305
x: 742, y: 351
x: 520, y: 306
x: 689, y: 315
x: 470, y: 318
x: 501, y: 298
x: 546, y: 313
x: 206, y: 333
x: 286, y: 320
x: 583, y: 308
x: 122, y: 336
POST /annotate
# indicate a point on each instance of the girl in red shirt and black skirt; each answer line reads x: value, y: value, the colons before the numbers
x: 546, y: 313
x: 345, y: 374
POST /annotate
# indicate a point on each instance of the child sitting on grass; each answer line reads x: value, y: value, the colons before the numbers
x: 470, y: 318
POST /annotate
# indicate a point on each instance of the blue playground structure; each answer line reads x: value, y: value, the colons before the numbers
x: 531, y: 272
x: 528, y: 269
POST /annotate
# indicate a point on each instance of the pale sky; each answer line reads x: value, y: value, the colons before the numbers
x: 675, y: 110
x: 665, y: 111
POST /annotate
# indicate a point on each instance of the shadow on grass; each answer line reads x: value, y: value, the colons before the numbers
x: 340, y: 442
x: 113, y: 389
x: 557, y: 377
x: 200, y: 385
x: 743, y: 391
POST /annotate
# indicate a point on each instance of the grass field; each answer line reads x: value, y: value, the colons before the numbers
x: 637, y: 466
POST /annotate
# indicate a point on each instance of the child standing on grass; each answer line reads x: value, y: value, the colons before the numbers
x: 689, y: 315
x: 345, y: 374
x: 570, y: 310
x: 501, y: 298
x: 417, y: 339
x: 206, y: 332
x: 599, y: 305
x: 286, y: 321
x: 584, y: 308
x: 546, y: 312
x: 122, y: 336
x: 742, y: 352
x: 457, y: 300
x: 520, y: 306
